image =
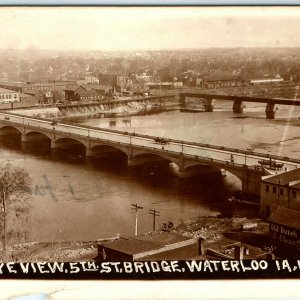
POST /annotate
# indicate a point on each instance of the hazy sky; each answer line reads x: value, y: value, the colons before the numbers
x: 148, y: 28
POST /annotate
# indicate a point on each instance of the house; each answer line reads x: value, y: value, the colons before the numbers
x: 156, y: 246
x: 280, y: 190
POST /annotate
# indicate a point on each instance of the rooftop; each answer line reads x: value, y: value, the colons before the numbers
x: 284, y: 178
x: 286, y: 217
x: 5, y: 91
x: 295, y: 184
x: 95, y: 86
x: 131, y: 245
x: 219, y: 76
x: 144, y: 243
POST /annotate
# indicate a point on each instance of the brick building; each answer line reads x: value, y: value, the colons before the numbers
x: 115, y: 81
x: 280, y: 190
x: 86, y: 92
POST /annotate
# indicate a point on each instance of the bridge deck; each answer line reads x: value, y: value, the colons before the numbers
x: 215, y: 155
x: 244, y: 98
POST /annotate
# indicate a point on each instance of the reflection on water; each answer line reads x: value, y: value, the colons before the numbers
x: 87, y: 199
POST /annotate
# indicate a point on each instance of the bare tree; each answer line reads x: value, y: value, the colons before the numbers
x: 14, y: 187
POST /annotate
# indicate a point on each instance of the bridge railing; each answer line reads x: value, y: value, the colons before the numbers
x: 202, y: 159
x: 248, y: 153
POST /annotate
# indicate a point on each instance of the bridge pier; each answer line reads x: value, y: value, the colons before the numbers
x: 237, y: 107
x: 251, y: 183
x: 89, y: 152
x: 208, y: 105
x: 270, y: 111
x: 54, y: 145
x: 182, y: 98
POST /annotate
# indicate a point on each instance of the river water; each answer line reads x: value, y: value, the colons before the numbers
x: 90, y: 200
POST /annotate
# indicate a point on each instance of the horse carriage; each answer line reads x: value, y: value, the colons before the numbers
x: 271, y: 164
x: 161, y: 141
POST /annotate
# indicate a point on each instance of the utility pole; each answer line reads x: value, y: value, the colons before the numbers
x: 278, y: 191
x: 136, y: 208
x: 4, y: 225
x: 155, y: 214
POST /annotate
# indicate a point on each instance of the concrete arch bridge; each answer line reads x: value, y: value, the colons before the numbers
x: 189, y: 158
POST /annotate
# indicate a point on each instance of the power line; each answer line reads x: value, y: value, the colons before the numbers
x: 136, y: 208
x: 155, y: 214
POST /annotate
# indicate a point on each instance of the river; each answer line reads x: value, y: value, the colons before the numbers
x: 91, y: 200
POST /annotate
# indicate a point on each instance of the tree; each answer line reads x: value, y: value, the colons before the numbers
x: 14, y: 187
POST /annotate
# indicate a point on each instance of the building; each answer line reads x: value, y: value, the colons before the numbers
x: 285, y: 231
x: 266, y: 80
x: 75, y: 93
x: 215, y: 81
x: 97, y: 90
x: 159, y: 85
x: 280, y: 190
x: 53, y: 91
x: 113, y: 80
x: 40, y: 98
x: 91, y: 78
x: 9, y: 96
x: 13, y: 99
x: 157, y: 246
x: 86, y: 92
x: 138, y: 89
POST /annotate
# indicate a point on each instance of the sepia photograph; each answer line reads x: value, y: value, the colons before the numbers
x: 150, y: 142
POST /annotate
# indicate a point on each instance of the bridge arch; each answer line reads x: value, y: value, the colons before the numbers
x: 108, y: 151
x: 147, y: 157
x: 9, y: 130
x: 37, y: 135
x: 193, y: 167
x: 109, y: 147
x: 66, y: 143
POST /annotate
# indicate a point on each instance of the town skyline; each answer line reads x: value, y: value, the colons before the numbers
x: 149, y: 28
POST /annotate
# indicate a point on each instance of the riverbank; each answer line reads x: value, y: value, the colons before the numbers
x: 121, y: 111
x: 133, y: 108
x: 217, y: 232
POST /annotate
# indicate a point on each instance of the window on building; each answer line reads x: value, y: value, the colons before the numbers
x: 281, y: 191
x: 274, y: 189
x: 267, y: 188
x: 294, y: 194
